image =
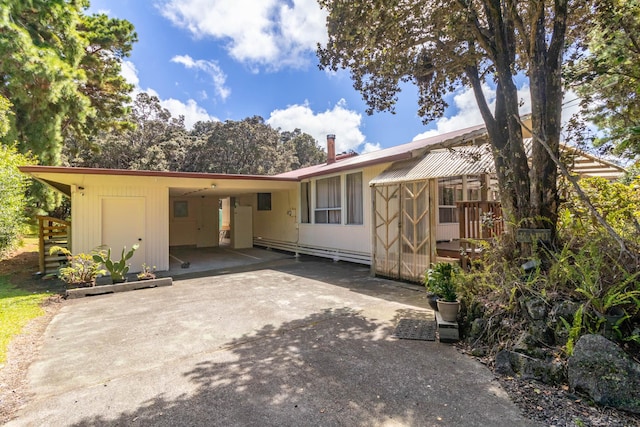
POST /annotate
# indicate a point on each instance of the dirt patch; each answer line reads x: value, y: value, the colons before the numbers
x: 557, y: 405
x: 21, y: 266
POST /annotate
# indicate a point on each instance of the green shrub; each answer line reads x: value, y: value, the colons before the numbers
x: 441, y: 280
x: 12, y: 188
x: 79, y: 270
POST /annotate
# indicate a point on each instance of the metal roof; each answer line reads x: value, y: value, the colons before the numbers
x: 476, y: 160
x: 440, y: 163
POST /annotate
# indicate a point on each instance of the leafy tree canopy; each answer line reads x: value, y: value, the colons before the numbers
x: 158, y: 141
x: 608, y: 77
x: 12, y: 186
x: 40, y: 53
x: 441, y: 45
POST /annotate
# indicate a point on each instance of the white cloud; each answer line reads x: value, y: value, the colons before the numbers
x: 130, y: 73
x: 211, y: 68
x: 191, y: 111
x: 468, y: 112
x: 469, y: 115
x: 344, y: 123
x: 272, y: 33
x: 369, y: 147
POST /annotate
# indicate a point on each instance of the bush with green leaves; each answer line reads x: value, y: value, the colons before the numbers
x: 12, y: 188
x: 79, y: 269
x: 441, y: 280
x: 617, y: 202
x: 585, y: 266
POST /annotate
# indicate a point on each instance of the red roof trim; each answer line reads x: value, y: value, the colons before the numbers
x: 395, y: 158
x: 129, y: 172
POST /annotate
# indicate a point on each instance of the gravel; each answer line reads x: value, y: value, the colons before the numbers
x: 558, y: 406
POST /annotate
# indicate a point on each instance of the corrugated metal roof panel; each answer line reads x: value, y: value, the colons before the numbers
x: 439, y: 164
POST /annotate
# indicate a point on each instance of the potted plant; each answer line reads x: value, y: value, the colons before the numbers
x: 441, y: 281
x: 80, y: 270
x: 119, y: 269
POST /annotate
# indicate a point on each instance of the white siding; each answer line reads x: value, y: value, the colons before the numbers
x: 355, y: 238
x: 86, y: 202
x: 280, y: 222
x: 447, y: 232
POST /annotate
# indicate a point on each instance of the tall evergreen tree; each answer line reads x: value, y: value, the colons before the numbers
x: 41, y: 49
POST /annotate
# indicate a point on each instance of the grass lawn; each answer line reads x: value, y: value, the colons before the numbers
x: 17, y: 307
x: 21, y: 296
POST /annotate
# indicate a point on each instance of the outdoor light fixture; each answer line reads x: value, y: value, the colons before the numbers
x: 213, y: 186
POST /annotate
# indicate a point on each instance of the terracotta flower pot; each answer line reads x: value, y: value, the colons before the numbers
x: 448, y: 310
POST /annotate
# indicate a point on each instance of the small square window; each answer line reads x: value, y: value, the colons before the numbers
x: 180, y: 209
x: 264, y: 201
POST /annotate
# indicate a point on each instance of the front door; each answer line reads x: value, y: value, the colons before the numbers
x: 123, y: 220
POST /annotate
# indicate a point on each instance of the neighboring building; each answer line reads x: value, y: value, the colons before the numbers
x: 389, y: 208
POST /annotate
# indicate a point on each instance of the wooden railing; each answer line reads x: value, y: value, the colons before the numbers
x: 478, y: 221
x: 52, y: 232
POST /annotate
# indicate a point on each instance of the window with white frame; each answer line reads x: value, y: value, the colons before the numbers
x: 456, y: 189
x: 354, y: 198
x: 328, y: 207
x: 449, y: 192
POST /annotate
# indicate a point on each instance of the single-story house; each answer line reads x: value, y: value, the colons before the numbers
x: 389, y: 209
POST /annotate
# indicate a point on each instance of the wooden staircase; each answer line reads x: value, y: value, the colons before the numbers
x: 52, y: 232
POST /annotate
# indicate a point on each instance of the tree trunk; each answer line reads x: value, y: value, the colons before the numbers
x: 545, y: 66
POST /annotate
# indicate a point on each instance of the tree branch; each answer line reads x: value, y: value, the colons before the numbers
x: 565, y: 172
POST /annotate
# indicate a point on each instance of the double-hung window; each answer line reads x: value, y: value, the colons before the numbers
x: 328, y: 207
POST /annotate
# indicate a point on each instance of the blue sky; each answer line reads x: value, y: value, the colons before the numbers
x: 228, y: 60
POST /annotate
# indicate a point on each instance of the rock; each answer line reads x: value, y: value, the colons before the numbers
x: 527, y: 344
x: 478, y: 326
x: 503, y: 363
x: 479, y: 351
x: 563, y: 309
x: 535, y: 307
x: 541, y: 332
x: 514, y: 363
x: 599, y: 368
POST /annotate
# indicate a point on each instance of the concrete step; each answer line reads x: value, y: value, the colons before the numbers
x: 447, y: 331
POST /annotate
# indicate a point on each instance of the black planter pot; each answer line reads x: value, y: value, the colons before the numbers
x: 433, y: 301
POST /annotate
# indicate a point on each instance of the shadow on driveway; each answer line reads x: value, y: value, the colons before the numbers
x: 329, y: 368
x: 300, y: 344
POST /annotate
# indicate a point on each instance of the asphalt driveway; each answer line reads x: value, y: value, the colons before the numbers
x: 292, y: 344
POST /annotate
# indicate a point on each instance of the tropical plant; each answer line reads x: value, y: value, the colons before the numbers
x: 119, y: 269
x: 441, y: 280
x: 79, y: 270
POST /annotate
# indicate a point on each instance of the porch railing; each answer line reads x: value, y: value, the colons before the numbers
x: 52, y: 232
x: 478, y: 221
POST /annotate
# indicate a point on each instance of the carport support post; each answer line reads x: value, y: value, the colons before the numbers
x: 372, y: 271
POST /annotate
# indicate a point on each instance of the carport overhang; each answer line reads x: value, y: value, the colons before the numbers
x: 180, y: 184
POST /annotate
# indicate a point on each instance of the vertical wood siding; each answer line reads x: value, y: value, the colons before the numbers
x: 86, y: 218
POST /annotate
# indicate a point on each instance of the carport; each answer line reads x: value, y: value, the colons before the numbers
x: 160, y: 210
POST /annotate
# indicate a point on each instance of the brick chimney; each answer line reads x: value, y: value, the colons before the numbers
x: 331, y: 149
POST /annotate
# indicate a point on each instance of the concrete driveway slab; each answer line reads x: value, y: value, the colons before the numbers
x: 305, y: 343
